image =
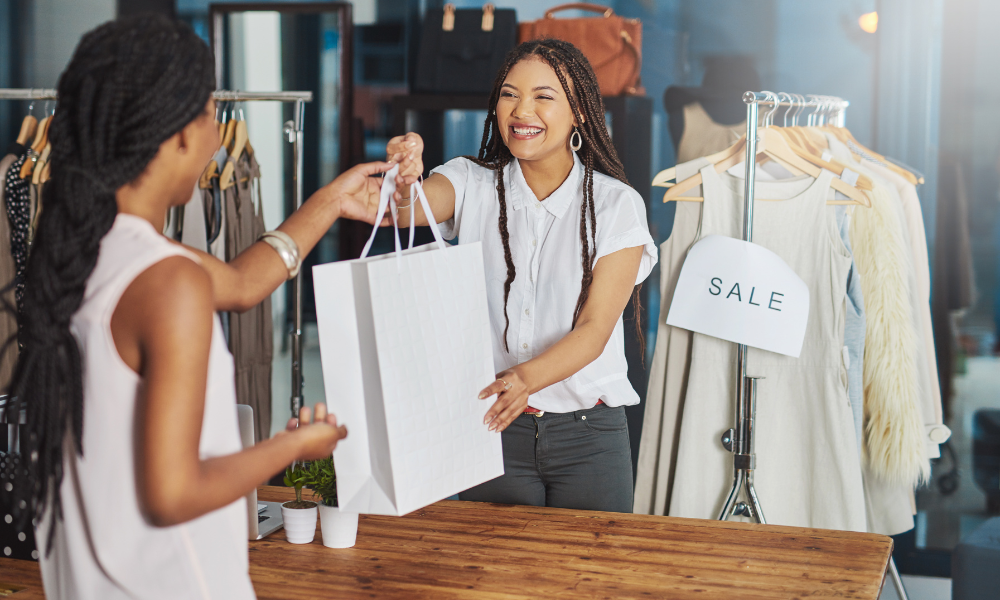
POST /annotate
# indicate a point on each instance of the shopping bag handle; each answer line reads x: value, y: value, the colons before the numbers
x: 385, y: 202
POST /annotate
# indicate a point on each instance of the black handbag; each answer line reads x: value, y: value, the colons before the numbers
x: 461, y: 50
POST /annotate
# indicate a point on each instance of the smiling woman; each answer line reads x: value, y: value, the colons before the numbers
x: 556, y: 285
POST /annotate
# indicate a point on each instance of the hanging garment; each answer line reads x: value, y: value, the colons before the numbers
x: 251, y: 333
x: 193, y: 232
x: 668, y: 372
x: 897, y: 379
x: 936, y: 432
x: 104, y: 547
x: 18, y: 198
x: 889, y: 505
x: 703, y: 136
x: 854, y: 331
x: 8, y: 272
x: 808, y: 469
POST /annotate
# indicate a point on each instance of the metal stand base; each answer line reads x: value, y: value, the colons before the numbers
x: 897, y: 581
x: 740, y: 442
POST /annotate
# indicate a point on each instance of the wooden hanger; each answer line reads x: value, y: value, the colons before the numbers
x: 41, y: 139
x: 28, y: 127
x: 229, y: 135
x: 240, y: 139
x: 863, y: 182
x: 41, y: 164
x: 774, y: 146
x: 664, y: 177
x: 844, y: 135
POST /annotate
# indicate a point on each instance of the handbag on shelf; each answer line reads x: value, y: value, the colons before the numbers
x: 462, y: 49
x: 612, y: 44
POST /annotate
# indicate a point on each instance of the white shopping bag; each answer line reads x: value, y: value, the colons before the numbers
x: 405, y: 346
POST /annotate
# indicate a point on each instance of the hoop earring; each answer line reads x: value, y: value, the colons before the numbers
x: 576, y: 145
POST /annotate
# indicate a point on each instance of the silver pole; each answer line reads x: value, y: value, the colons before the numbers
x: 297, y: 152
x: 739, y: 440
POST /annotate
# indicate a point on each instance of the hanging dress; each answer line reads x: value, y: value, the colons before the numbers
x: 251, y: 333
x: 668, y: 372
x: 808, y: 469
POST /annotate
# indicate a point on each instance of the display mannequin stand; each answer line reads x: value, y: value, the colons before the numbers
x: 742, y: 499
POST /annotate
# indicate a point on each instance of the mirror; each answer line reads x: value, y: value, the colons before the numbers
x: 268, y: 47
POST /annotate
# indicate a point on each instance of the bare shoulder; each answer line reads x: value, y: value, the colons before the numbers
x: 174, y: 288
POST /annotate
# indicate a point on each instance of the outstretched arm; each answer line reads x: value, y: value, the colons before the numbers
x: 252, y: 276
x: 614, y: 279
x: 408, y: 150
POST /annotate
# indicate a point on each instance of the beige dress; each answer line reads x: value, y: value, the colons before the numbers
x: 703, y: 136
x: 668, y: 371
x: 808, y: 468
x: 251, y: 333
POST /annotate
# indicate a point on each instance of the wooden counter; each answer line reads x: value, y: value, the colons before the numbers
x: 465, y: 550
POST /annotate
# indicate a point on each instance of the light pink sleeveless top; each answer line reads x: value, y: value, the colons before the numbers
x: 104, y: 548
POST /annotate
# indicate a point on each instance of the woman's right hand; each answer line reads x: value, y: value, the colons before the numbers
x: 318, y: 432
x: 407, y: 150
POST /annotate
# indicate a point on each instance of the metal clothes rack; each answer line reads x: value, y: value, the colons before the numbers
x: 739, y: 440
x: 294, y: 133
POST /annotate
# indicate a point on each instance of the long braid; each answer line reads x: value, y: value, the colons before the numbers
x: 597, y: 153
x: 130, y: 86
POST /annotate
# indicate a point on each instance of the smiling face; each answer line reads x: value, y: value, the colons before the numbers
x: 533, y: 113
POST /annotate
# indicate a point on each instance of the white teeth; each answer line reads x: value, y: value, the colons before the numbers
x: 527, y: 130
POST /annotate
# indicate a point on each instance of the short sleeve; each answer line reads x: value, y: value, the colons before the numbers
x: 621, y: 223
x: 458, y: 171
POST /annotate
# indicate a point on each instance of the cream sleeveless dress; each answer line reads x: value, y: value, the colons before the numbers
x: 703, y: 136
x: 808, y: 469
x: 103, y: 547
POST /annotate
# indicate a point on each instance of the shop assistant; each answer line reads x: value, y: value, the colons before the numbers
x: 565, y: 244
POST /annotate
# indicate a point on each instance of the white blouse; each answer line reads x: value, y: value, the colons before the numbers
x: 546, y: 248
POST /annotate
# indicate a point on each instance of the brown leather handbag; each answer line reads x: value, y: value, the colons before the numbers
x: 612, y: 44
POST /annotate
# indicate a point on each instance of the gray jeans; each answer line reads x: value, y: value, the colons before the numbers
x: 579, y: 460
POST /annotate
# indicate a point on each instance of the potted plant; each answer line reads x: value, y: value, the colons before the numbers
x: 340, y: 529
x: 299, y: 516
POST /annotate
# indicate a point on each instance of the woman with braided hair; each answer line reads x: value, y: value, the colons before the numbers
x: 133, y: 472
x: 565, y: 244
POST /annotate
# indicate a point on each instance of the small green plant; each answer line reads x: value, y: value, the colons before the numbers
x: 322, y: 480
x: 297, y: 475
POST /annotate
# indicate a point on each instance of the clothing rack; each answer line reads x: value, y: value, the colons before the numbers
x: 739, y: 440
x: 294, y: 133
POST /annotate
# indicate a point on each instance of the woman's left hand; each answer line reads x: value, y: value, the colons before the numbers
x: 512, y: 399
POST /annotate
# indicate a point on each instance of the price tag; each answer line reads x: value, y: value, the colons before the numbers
x: 743, y: 293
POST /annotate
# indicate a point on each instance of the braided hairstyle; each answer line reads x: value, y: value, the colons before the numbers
x: 597, y: 152
x: 131, y: 85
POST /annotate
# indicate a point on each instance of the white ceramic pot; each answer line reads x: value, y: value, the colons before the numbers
x: 340, y: 529
x: 300, y: 523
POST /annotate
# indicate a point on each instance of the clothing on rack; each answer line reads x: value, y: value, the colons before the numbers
x: 820, y: 460
x: 251, y: 333
x: 17, y: 195
x: 703, y: 136
x: 9, y: 350
x: 843, y: 433
x: 665, y: 395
